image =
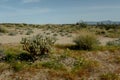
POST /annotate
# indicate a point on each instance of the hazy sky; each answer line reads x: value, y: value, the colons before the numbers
x: 58, y: 11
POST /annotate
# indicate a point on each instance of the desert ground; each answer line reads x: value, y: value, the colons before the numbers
x: 62, y: 63
x: 6, y: 39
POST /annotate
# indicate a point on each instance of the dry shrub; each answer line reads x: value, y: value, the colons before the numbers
x: 86, y: 40
x: 3, y: 29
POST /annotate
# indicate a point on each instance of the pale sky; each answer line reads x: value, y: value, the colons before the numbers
x: 58, y: 11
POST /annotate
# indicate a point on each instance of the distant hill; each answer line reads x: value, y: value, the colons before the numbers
x: 103, y: 22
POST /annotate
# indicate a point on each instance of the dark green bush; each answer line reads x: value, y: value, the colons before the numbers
x: 10, y: 57
x: 25, y: 57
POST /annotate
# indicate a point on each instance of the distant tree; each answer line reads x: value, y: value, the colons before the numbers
x: 81, y: 24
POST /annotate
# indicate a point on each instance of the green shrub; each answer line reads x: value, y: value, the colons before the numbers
x: 3, y: 29
x: 10, y: 57
x: 38, y: 45
x: 9, y: 53
x: 17, y: 66
x: 86, y: 41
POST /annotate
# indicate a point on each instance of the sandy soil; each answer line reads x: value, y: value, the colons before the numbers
x: 5, y: 39
x: 104, y: 40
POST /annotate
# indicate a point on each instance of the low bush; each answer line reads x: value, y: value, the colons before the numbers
x: 3, y: 29
x: 86, y: 41
x: 17, y: 65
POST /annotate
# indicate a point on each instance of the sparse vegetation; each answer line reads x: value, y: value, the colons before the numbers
x: 80, y: 57
x: 12, y: 33
x: 53, y: 65
x: 109, y: 76
x: 29, y: 32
